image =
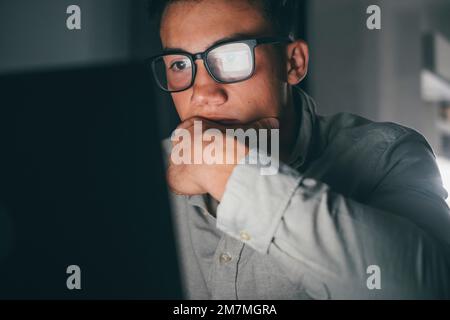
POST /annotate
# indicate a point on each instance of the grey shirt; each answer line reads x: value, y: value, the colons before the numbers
x: 358, y: 212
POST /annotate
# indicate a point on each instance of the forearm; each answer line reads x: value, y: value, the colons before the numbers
x: 321, y: 235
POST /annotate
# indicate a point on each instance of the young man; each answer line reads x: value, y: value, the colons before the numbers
x: 356, y: 209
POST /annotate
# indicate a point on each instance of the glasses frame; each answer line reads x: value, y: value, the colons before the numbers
x: 252, y: 43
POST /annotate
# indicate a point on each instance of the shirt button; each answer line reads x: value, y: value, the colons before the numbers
x: 245, y: 236
x: 309, y: 183
x: 225, y: 257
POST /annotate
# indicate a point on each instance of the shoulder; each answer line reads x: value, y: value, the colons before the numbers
x: 353, y: 130
x: 364, y: 153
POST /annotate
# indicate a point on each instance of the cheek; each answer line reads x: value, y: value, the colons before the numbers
x: 181, y: 102
x: 257, y: 101
x: 270, y: 63
x: 267, y: 90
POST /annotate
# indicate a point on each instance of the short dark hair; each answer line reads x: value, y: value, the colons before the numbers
x: 282, y: 14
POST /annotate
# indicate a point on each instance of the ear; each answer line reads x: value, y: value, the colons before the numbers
x: 297, y: 61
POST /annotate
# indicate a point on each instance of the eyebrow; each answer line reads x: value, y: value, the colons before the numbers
x: 234, y: 36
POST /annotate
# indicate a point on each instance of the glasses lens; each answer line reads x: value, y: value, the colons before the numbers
x: 231, y: 62
x: 173, y: 71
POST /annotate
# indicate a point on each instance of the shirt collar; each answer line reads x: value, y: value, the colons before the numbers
x: 306, y: 108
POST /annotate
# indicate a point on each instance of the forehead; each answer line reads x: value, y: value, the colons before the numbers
x: 194, y: 25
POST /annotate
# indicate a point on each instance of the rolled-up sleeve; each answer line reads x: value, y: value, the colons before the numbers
x: 317, y: 233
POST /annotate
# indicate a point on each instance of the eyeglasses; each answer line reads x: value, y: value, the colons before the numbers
x: 226, y: 62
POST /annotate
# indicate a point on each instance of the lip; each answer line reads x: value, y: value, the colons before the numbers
x: 228, y: 121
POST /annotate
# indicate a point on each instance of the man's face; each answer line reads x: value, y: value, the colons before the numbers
x: 194, y: 26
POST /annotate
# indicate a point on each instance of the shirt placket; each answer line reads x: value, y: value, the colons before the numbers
x: 223, y: 275
x: 225, y: 267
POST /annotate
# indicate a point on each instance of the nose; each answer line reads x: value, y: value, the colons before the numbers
x: 206, y: 91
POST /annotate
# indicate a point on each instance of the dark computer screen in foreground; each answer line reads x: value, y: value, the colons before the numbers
x: 82, y: 183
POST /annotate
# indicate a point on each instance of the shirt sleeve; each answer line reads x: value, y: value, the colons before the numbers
x: 331, y: 242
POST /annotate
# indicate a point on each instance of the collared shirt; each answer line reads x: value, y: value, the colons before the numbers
x: 358, y: 212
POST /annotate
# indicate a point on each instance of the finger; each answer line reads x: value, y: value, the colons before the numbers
x: 189, y: 122
x: 184, y: 125
x: 176, y: 137
x: 266, y: 123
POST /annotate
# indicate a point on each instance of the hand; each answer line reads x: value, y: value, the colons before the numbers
x: 206, y: 176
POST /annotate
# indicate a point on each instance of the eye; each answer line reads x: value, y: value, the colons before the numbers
x: 179, y: 65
